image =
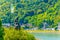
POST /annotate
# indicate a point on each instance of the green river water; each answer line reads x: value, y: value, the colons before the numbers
x: 47, y: 36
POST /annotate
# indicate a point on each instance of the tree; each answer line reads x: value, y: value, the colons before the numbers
x: 1, y: 31
x: 34, y: 12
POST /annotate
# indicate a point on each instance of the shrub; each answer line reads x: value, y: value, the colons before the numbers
x: 12, y: 34
x: 1, y: 31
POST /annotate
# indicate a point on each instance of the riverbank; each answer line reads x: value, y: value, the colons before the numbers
x: 43, y: 33
x: 47, y: 35
x: 38, y: 31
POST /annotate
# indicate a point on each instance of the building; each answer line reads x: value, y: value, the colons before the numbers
x: 58, y: 26
x: 6, y: 24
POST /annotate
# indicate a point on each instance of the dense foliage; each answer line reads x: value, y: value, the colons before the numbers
x: 1, y: 31
x: 34, y: 12
x: 12, y: 34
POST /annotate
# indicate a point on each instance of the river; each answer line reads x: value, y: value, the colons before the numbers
x: 47, y: 36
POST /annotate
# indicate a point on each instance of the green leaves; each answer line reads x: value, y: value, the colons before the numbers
x: 17, y: 34
x: 1, y: 31
x: 42, y: 11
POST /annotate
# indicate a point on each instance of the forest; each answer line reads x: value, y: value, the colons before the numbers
x: 32, y: 13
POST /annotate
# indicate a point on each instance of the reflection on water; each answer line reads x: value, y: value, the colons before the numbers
x: 47, y: 36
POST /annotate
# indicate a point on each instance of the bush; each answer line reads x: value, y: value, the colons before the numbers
x: 1, y: 31
x: 12, y: 34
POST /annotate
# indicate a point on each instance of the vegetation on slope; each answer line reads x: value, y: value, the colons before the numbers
x: 12, y: 34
